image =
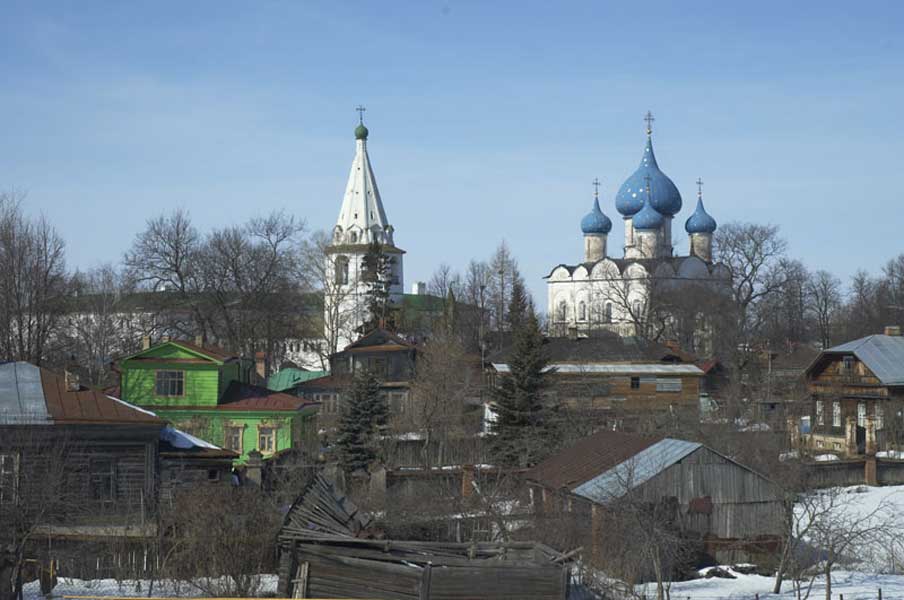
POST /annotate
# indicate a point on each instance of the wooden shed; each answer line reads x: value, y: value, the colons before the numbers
x: 329, y: 549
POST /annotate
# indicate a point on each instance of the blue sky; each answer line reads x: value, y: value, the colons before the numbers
x: 487, y: 120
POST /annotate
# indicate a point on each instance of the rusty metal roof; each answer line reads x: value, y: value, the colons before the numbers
x: 588, y: 458
x: 245, y: 396
x: 32, y: 395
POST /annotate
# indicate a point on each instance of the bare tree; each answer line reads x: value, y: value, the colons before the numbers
x: 442, y: 385
x: 824, y: 303
x: 221, y: 540
x: 35, y: 286
x: 338, y: 316
x: 443, y: 280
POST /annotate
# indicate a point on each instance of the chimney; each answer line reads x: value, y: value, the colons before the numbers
x: 145, y: 342
x: 260, y: 364
x: 70, y: 377
x: 199, y: 340
x: 894, y: 330
x: 164, y: 339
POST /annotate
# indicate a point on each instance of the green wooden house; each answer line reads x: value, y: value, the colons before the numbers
x: 208, y: 393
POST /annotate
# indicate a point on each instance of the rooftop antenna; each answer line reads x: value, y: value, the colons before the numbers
x: 649, y: 119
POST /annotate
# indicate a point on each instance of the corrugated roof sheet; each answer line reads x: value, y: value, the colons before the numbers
x: 21, y: 395
x: 635, y: 470
x: 883, y: 354
x: 616, y: 369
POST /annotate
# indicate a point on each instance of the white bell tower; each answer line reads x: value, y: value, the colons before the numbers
x: 361, y: 221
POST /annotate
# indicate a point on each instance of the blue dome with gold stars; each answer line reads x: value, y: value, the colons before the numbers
x: 665, y: 197
x: 595, y: 221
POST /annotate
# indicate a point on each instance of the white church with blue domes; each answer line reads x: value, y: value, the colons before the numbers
x: 602, y: 292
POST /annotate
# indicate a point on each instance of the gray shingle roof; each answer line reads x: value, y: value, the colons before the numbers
x: 883, y: 354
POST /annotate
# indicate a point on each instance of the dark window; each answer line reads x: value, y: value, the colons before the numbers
x: 213, y: 475
x: 378, y: 366
x: 170, y: 383
x: 848, y: 362
x: 9, y: 478
x: 103, y: 480
x: 635, y: 383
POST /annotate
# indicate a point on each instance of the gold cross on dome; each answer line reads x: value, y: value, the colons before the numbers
x: 649, y: 119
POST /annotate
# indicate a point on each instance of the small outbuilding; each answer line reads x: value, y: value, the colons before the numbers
x: 329, y: 549
x: 735, y: 511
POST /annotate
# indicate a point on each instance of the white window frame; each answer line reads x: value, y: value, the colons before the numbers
x: 820, y: 413
x: 861, y: 414
x: 836, y: 413
x: 272, y: 447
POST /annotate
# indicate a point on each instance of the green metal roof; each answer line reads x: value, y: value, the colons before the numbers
x: 288, y: 378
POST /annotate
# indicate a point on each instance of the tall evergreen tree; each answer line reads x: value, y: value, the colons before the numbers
x: 518, y: 306
x: 525, y: 428
x: 376, y: 272
x: 366, y: 416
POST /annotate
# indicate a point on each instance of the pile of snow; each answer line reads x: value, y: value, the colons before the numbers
x: 182, y: 440
x: 826, y: 457
x: 896, y: 454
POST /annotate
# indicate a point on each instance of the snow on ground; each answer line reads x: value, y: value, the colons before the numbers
x: 130, y: 588
x: 854, y: 586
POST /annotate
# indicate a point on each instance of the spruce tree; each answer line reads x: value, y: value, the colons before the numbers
x: 525, y: 428
x: 359, y: 428
x: 376, y: 272
x: 518, y: 305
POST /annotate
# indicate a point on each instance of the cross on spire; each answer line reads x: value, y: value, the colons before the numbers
x: 649, y: 119
x: 699, y: 187
x: 360, y: 110
x: 596, y: 188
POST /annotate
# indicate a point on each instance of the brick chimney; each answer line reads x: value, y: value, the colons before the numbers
x: 894, y: 330
x: 199, y: 340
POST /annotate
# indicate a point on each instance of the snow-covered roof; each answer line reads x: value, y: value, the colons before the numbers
x: 616, y: 369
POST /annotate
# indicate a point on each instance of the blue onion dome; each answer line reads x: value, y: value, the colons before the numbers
x: 665, y: 198
x: 700, y: 221
x: 595, y: 221
x: 648, y: 218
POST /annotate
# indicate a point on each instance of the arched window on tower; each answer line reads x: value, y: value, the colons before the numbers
x: 582, y: 311
x: 563, y: 311
x: 608, y: 312
x: 353, y: 237
x: 637, y: 308
x: 341, y: 270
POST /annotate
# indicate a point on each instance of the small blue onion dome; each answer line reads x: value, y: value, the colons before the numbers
x: 647, y: 218
x: 595, y: 221
x: 700, y: 221
x: 665, y: 197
